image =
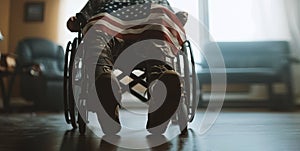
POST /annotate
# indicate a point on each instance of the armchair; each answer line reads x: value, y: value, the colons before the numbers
x: 45, y: 87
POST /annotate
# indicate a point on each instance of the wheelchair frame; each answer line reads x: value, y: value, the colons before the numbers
x: 185, y: 62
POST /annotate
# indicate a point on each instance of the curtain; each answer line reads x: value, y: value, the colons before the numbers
x: 248, y: 20
x: 292, y: 10
x: 270, y: 21
x: 280, y: 20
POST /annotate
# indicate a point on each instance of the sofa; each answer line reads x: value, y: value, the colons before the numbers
x: 40, y: 63
x: 264, y: 62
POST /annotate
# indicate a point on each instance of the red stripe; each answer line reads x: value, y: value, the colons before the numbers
x: 170, y: 14
x: 145, y: 35
x: 148, y: 33
x: 153, y: 22
x: 161, y: 10
x: 113, y: 32
x: 125, y: 26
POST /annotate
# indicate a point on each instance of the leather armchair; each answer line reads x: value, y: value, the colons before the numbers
x: 42, y: 81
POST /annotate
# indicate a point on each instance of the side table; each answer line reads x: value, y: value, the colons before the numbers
x: 7, y: 70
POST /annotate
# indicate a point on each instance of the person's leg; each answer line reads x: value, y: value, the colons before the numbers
x: 100, y: 46
x: 163, y: 106
x: 109, y: 94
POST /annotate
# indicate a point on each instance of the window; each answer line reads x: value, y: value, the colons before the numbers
x: 191, y: 7
x: 67, y: 9
x: 247, y: 20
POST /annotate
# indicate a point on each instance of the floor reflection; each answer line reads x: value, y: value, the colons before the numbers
x: 238, y: 130
x: 104, y: 145
x: 75, y: 142
x: 72, y: 141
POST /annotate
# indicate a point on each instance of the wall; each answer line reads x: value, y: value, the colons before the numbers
x: 67, y: 8
x: 4, y: 24
x: 20, y: 29
x: 4, y: 28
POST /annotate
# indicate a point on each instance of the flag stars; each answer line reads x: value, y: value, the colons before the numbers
x: 126, y: 9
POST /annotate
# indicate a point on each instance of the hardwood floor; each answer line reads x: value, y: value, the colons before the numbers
x: 234, y: 130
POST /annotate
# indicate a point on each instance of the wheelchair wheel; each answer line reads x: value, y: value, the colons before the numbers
x: 187, y: 107
x: 69, y: 102
x: 65, y: 84
x: 190, y: 81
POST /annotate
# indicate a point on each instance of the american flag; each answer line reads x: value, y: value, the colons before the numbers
x: 139, y: 22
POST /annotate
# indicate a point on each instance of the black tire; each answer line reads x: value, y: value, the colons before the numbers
x: 72, y: 105
x: 190, y: 81
x: 65, y: 85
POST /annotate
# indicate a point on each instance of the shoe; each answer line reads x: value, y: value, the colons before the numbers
x: 161, y: 111
x: 110, y: 124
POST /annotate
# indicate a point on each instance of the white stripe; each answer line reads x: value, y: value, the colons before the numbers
x: 132, y: 23
x: 151, y: 17
x: 145, y: 20
x: 140, y: 30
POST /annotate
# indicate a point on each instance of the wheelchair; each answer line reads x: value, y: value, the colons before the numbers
x: 76, y: 110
